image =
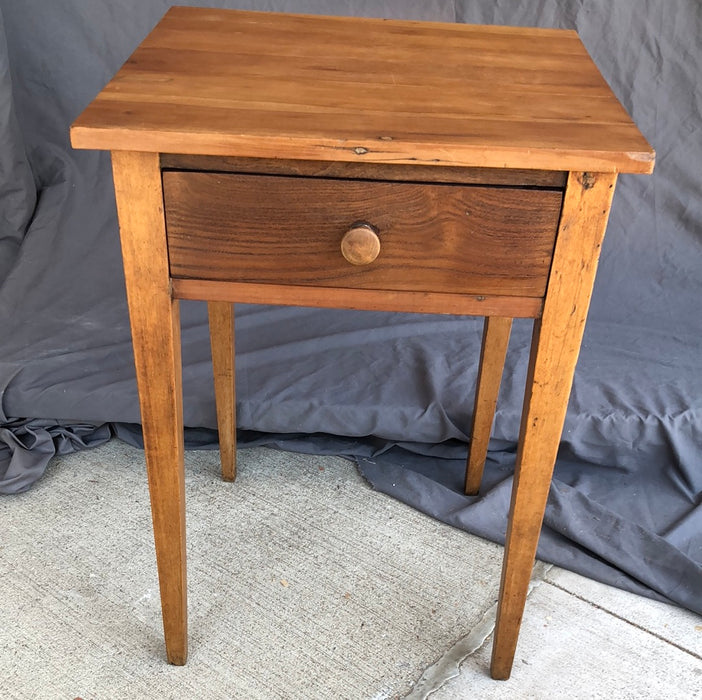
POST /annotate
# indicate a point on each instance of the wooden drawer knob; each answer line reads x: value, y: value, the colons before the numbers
x: 360, y: 244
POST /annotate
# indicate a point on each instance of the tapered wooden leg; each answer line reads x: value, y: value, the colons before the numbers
x: 221, y: 314
x: 156, y: 338
x: 492, y: 361
x: 554, y: 353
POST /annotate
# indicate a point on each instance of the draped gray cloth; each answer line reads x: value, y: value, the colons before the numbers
x: 394, y: 391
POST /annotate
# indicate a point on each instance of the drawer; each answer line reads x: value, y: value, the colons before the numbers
x: 284, y: 230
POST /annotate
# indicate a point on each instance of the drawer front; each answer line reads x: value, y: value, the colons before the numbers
x: 288, y: 230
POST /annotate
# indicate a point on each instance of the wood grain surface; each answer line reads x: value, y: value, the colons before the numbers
x: 252, y: 84
x: 221, y: 320
x: 288, y: 230
x: 361, y: 299
x: 155, y: 323
x: 493, y: 351
x: 554, y: 354
x: 366, y: 170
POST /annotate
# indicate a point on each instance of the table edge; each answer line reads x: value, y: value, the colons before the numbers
x: 380, y: 150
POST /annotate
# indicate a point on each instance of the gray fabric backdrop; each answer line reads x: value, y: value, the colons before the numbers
x: 392, y: 390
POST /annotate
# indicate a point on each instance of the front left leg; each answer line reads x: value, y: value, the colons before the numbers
x: 155, y: 323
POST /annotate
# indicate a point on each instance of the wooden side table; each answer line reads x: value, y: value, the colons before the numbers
x: 363, y: 164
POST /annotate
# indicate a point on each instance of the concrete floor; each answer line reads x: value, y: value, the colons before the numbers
x: 303, y: 583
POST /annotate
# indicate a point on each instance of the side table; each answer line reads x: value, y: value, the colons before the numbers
x: 364, y: 164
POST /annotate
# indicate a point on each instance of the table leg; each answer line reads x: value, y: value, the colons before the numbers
x: 496, y: 332
x: 221, y: 315
x: 155, y: 324
x: 554, y: 353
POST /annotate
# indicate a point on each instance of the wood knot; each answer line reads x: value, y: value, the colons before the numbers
x: 587, y: 181
x: 359, y: 150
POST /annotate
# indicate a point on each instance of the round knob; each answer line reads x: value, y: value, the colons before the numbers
x: 360, y: 244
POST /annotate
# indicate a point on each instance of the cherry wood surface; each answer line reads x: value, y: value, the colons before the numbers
x: 433, y: 238
x: 155, y: 323
x: 360, y: 299
x: 493, y: 352
x: 244, y: 147
x: 367, y: 170
x: 554, y: 353
x: 256, y: 84
x: 221, y: 319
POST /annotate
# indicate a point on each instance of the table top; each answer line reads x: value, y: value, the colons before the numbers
x: 257, y: 84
